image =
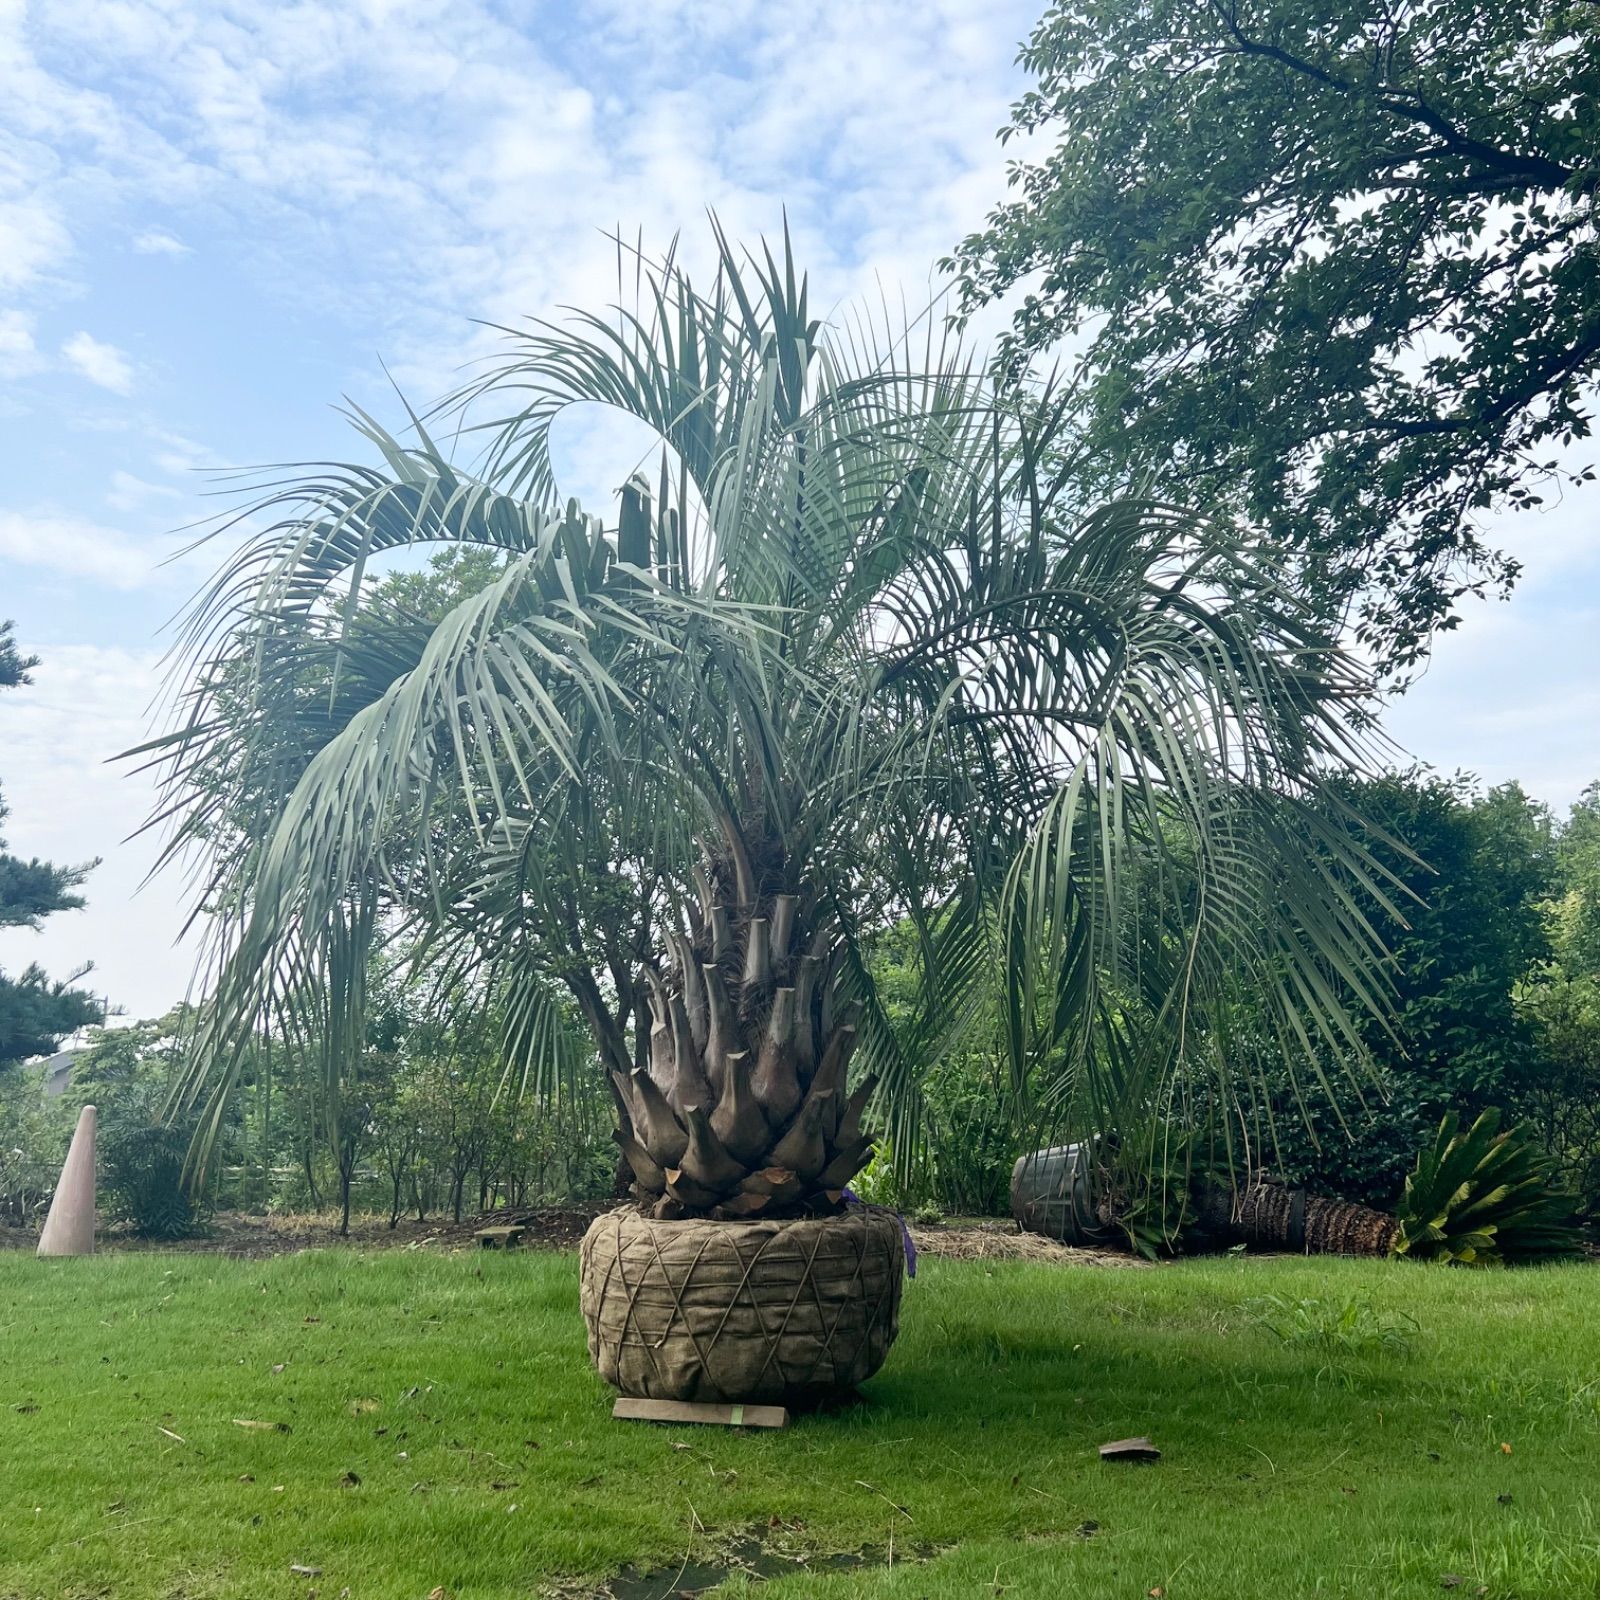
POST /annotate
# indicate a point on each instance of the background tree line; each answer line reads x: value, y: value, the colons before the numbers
x: 1496, y: 975
x: 1497, y: 978
x: 427, y: 1126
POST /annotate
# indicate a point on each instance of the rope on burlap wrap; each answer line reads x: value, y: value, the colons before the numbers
x: 702, y: 1310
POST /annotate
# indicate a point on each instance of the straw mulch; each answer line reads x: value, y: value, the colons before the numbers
x: 1002, y: 1241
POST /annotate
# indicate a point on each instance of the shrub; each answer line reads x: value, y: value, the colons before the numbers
x: 143, y: 1167
x: 33, y: 1144
x: 1484, y: 1198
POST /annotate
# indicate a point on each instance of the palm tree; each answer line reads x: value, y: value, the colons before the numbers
x: 850, y: 656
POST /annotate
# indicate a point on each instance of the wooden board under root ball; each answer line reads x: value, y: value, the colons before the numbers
x: 700, y: 1411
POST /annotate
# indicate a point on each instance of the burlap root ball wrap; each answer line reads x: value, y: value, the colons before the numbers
x: 703, y: 1310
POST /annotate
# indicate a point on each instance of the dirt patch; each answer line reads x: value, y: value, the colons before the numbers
x: 248, y: 1237
x: 754, y: 1556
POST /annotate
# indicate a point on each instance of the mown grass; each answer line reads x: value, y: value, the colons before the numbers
x: 1361, y: 1449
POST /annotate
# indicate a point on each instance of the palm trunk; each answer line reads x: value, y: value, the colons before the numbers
x: 1280, y: 1218
x: 738, y: 1107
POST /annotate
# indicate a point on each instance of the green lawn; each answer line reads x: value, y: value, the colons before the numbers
x: 457, y: 1391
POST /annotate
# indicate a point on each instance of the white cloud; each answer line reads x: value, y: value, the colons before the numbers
x: 1511, y: 692
x: 100, y: 363
x: 409, y: 201
x: 33, y: 239
x: 158, y: 242
x: 19, y: 355
x: 129, y: 493
x: 76, y: 548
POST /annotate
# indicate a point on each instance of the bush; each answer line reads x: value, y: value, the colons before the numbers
x: 33, y: 1143
x: 965, y: 1164
x: 143, y: 1168
x: 1484, y: 1198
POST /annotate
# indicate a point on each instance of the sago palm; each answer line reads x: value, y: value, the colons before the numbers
x: 851, y: 655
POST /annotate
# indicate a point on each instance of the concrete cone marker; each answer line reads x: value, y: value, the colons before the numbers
x: 69, y: 1229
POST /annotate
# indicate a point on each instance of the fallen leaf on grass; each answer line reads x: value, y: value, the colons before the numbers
x: 259, y: 1427
x: 304, y: 1572
x: 365, y: 1404
x: 1505, y: 1449
x: 350, y: 1481
x: 1139, y: 1449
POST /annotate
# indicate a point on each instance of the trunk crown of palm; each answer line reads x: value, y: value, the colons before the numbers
x: 851, y: 656
x: 742, y: 1106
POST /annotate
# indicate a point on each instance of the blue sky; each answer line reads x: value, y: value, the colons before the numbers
x: 218, y: 219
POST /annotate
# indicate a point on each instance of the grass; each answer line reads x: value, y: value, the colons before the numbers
x: 1328, y: 1428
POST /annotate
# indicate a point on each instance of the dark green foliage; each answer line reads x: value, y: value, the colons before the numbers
x: 31, y: 890
x: 34, y: 1128
x: 36, y: 1013
x: 14, y: 666
x: 1560, y: 1001
x: 143, y: 1166
x: 1335, y: 264
x: 126, y: 1073
x: 1563, y: 1104
x: 1484, y: 1198
x: 971, y: 1141
x: 1477, y: 867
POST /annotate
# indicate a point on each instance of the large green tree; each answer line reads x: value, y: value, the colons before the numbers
x: 1331, y: 262
x: 851, y: 658
x: 36, y: 1012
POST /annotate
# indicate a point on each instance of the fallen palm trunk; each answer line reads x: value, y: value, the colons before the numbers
x: 1277, y: 1217
x: 1480, y: 1197
x: 1053, y: 1194
x: 696, y: 1309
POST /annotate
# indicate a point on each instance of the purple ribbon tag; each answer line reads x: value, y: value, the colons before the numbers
x: 850, y: 1197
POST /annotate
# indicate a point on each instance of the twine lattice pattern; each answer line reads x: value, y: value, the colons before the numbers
x: 703, y: 1310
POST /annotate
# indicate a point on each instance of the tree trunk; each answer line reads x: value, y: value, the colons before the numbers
x: 737, y: 1106
x: 1280, y: 1218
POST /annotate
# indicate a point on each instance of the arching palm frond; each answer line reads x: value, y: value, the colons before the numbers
x: 849, y: 657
